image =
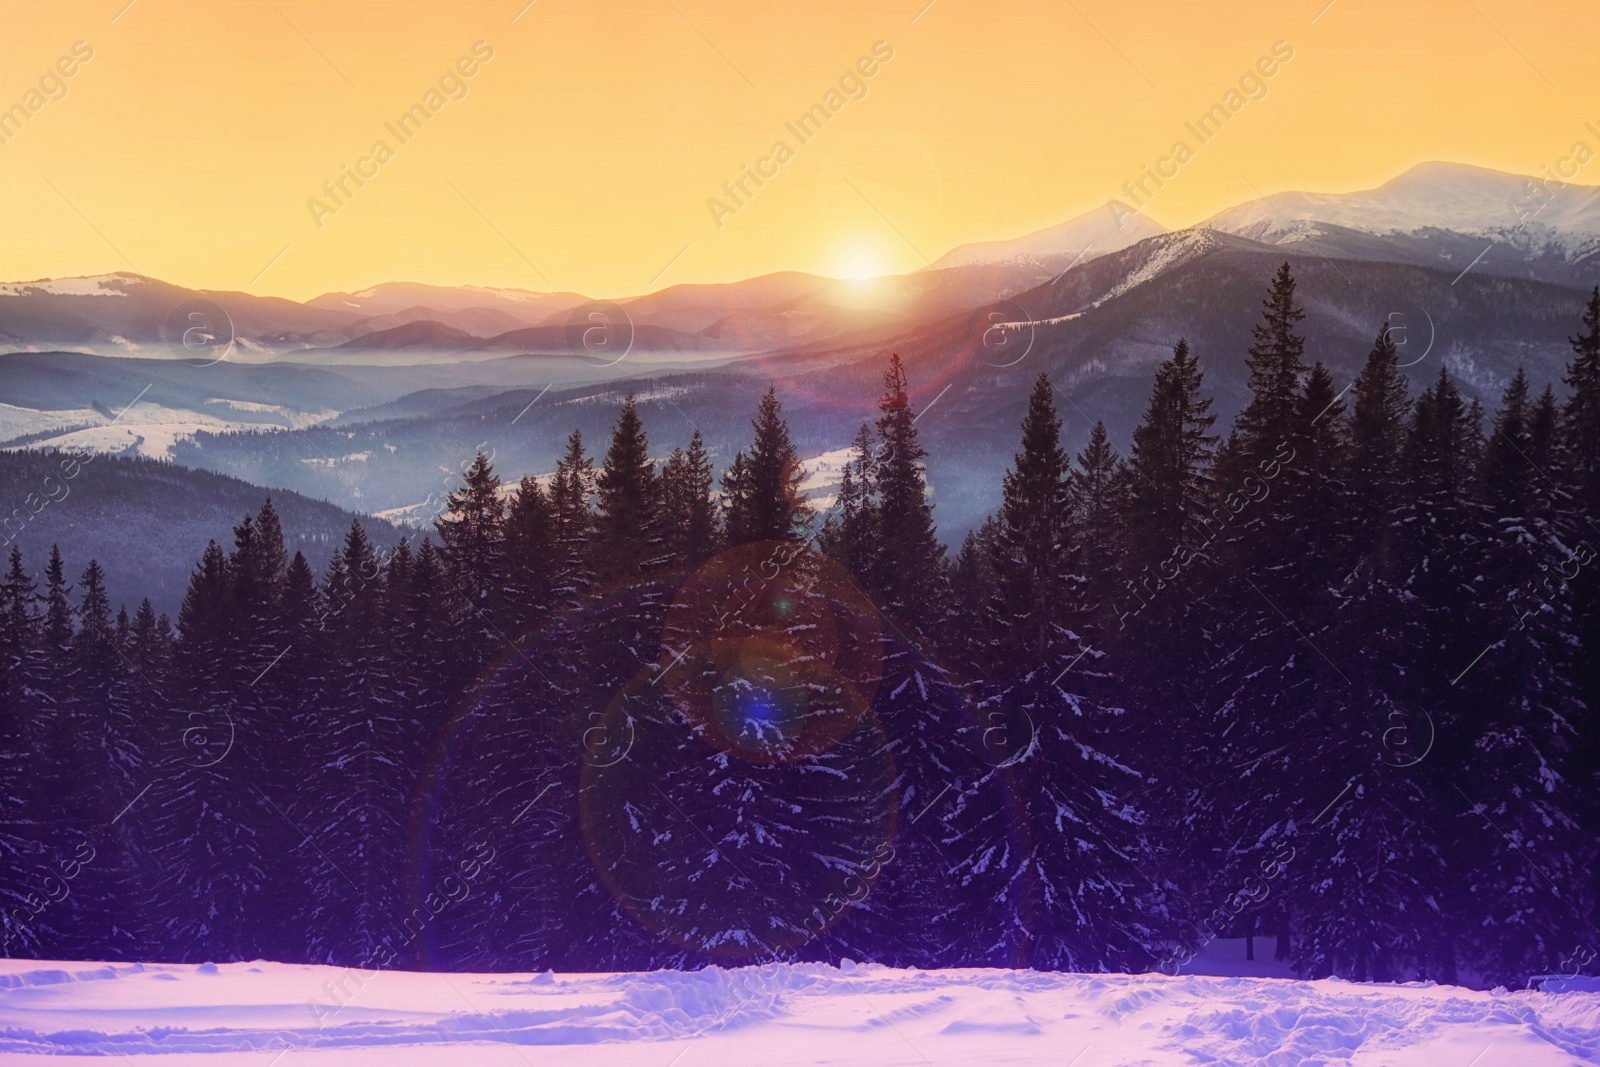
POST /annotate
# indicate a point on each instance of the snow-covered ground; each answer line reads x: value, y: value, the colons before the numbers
x: 268, y: 1013
x: 150, y: 429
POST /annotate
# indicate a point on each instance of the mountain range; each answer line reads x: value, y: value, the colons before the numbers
x: 369, y: 399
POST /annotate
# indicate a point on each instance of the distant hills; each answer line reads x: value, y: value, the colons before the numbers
x: 148, y: 522
x: 368, y: 399
x: 1441, y: 214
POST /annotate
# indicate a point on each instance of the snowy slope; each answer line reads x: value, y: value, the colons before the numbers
x: 263, y: 1014
x: 1444, y: 196
x: 94, y: 285
x: 1080, y: 239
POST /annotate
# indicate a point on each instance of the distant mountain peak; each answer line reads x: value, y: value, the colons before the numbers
x: 1456, y: 197
x: 1084, y: 237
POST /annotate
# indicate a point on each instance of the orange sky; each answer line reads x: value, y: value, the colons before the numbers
x: 583, y: 154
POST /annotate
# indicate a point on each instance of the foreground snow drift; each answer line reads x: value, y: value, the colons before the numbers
x: 803, y: 1014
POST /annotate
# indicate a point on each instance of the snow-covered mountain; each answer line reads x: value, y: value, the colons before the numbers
x: 1094, y: 233
x: 1436, y: 214
x: 526, y: 307
x: 1524, y: 212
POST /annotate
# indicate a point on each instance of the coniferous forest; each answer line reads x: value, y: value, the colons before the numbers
x: 1327, y: 678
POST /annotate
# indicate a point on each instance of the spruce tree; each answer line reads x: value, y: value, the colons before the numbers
x: 21, y: 738
x: 1277, y: 371
x: 19, y: 644
x: 532, y: 553
x: 472, y: 541
x: 906, y: 577
x: 1578, y: 524
x: 688, y: 512
x: 570, y: 500
x: 1509, y: 479
x: 627, y: 527
x: 1098, y: 487
x: 1035, y: 561
x: 850, y: 533
x: 1519, y: 702
x: 1581, y: 416
x: 1380, y: 407
x: 56, y: 632
x: 352, y: 802
x: 762, y: 495
x: 1169, y: 502
x: 101, y: 914
x: 205, y: 816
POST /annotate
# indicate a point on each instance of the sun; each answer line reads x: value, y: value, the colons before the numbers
x: 858, y: 261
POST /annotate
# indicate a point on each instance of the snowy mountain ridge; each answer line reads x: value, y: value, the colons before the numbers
x: 1094, y: 233
x: 1526, y: 212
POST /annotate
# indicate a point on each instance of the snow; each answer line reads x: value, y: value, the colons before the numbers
x: 252, y: 1013
x: 1164, y: 255
x: 825, y: 471
x: 667, y: 393
x: 97, y: 285
x: 1088, y: 236
x: 15, y: 421
x: 334, y: 461
x: 151, y: 429
x: 1445, y: 196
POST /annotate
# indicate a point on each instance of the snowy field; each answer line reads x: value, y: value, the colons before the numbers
x: 266, y: 1013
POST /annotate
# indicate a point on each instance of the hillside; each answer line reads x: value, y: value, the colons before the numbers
x: 147, y: 521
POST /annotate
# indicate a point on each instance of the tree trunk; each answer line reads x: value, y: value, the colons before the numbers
x: 1250, y: 946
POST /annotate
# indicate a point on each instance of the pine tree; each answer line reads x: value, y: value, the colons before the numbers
x: 1518, y: 701
x: 570, y: 494
x: 1037, y: 580
x: 1071, y: 893
x: 472, y: 541
x: 1097, y: 488
x: 101, y: 914
x: 57, y: 630
x: 1581, y: 417
x: 762, y: 493
x: 353, y: 801
x: 1578, y: 524
x: 907, y: 575
x: 1277, y: 371
x: 1508, y: 477
x: 966, y: 634
x: 627, y: 527
x: 205, y: 817
x: 1314, y: 483
x: 20, y: 770
x: 1381, y: 405
x: 689, y: 514
x: 1169, y: 517
x: 532, y: 553
x: 19, y: 643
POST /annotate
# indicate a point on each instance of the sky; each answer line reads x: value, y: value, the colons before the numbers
x: 588, y: 148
